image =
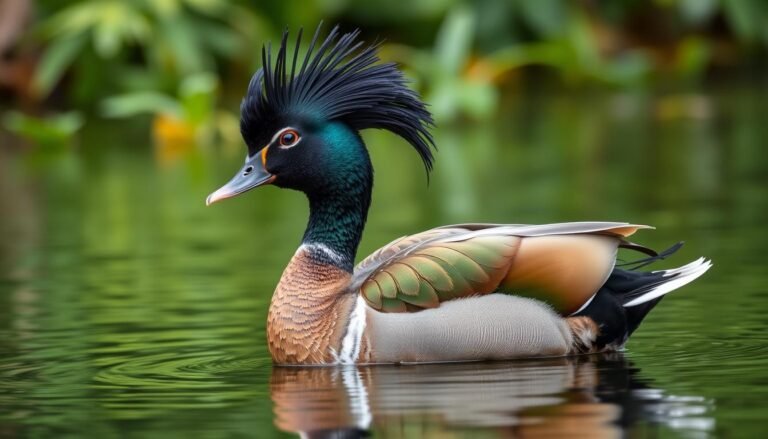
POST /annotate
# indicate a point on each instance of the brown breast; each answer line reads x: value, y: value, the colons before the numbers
x: 309, y: 312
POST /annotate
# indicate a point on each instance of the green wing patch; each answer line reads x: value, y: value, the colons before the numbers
x: 438, y: 270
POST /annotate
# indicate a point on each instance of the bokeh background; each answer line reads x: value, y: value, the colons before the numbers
x: 126, y: 305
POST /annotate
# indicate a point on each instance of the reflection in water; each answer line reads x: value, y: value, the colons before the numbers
x: 592, y: 396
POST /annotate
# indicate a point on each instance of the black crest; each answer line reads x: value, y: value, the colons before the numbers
x: 342, y: 81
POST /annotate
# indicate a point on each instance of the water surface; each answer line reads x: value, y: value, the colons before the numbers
x: 128, y: 308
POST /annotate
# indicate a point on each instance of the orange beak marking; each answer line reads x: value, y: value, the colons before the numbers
x: 264, y: 157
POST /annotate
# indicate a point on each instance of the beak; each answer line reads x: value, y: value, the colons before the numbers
x: 252, y: 174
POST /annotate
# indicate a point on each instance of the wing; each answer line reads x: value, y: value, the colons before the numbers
x: 562, y: 264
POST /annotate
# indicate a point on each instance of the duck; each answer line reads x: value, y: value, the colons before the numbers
x: 464, y: 292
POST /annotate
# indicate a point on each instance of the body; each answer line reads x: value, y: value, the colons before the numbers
x: 316, y: 318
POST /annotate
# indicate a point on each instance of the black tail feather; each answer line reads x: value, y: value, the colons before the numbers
x: 628, y: 285
x: 652, y: 255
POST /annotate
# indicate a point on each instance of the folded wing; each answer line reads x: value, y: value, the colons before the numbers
x: 561, y: 264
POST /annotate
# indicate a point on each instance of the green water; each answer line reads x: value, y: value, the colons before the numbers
x: 128, y: 308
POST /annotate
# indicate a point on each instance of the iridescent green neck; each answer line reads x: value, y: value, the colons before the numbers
x: 336, y: 221
x: 338, y: 208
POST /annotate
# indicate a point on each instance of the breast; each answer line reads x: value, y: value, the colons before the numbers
x: 309, y: 312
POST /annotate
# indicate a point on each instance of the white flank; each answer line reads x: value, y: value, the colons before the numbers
x: 683, y: 275
x: 350, y: 345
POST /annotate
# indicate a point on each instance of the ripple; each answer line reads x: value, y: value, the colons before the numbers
x: 187, y: 371
x: 731, y: 352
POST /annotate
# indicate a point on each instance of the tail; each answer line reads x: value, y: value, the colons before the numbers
x: 639, y: 292
x: 661, y: 282
x: 628, y: 296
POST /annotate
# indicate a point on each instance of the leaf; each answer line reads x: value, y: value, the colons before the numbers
x: 164, y: 8
x: 219, y: 39
x: 52, y: 129
x: 547, y: 17
x: 58, y: 57
x: 118, y: 24
x: 207, y: 7
x: 183, y: 45
x: 745, y: 17
x: 198, y: 97
x: 454, y: 40
x: 478, y: 98
x: 140, y: 103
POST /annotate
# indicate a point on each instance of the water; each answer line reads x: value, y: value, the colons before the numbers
x: 127, y: 308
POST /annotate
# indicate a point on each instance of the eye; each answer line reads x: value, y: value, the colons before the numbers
x: 288, y: 138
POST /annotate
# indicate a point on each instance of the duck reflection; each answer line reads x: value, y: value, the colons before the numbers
x: 592, y: 396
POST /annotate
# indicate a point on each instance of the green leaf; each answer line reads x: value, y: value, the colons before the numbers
x: 118, y: 23
x: 454, y: 40
x: 183, y: 45
x: 164, y: 8
x: 198, y: 97
x: 745, y: 17
x: 217, y: 38
x: 547, y: 17
x: 479, y: 99
x: 43, y: 130
x: 207, y: 7
x: 140, y: 103
x: 55, y: 61
x: 106, y: 40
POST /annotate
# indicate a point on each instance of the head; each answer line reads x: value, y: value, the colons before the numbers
x: 301, y: 118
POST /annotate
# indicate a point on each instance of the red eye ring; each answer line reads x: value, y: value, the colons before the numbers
x: 288, y: 138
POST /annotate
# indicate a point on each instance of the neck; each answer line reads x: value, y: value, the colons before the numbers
x: 337, y: 219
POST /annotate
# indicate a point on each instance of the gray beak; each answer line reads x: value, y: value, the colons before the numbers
x: 251, y: 175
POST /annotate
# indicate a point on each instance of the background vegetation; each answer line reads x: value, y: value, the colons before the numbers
x: 66, y: 63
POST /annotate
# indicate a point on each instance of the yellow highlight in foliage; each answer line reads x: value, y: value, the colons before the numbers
x: 173, y: 137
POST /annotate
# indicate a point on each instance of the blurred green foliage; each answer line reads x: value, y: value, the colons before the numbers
x: 192, y: 107
x: 440, y: 70
x: 459, y: 53
x: 116, y: 45
x: 52, y: 132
